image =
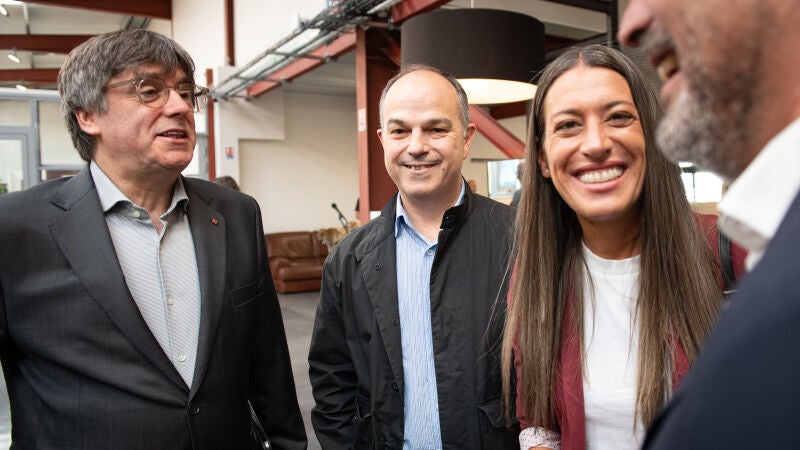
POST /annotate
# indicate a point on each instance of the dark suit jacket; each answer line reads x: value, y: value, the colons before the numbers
x: 83, y: 369
x: 744, y: 390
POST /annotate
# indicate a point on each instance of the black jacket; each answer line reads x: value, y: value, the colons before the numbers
x: 355, y: 360
x: 82, y: 367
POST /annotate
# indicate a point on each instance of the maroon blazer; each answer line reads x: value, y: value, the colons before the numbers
x: 570, y: 411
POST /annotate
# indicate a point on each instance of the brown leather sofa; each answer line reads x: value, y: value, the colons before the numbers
x: 295, y: 259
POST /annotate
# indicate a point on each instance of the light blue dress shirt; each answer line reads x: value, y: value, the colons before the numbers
x: 160, y: 268
x: 421, y: 401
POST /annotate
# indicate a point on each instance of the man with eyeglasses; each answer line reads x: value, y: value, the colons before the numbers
x: 137, y: 309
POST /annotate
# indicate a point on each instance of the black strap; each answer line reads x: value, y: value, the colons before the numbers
x: 257, y: 431
x: 726, y: 263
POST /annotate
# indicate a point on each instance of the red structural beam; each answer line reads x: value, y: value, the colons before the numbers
x: 157, y: 9
x: 410, y: 8
x: 32, y: 75
x: 342, y: 44
x: 373, y: 70
x: 52, y: 43
x: 506, y: 110
x: 497, y: 134
x: 392, y: 51
x: 230, y: 47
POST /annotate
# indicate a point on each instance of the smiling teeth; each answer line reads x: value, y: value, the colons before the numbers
x: 600, y: 176
x: 667, y: 67
x: 174, y: 134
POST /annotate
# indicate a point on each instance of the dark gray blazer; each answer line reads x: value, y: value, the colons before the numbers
x: 83, y: 369
x: 744, y: 390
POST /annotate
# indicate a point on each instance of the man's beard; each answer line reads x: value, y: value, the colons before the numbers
x: 690, y: 132
x: 709, y: 122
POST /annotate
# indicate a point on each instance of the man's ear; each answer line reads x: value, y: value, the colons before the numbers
x: 469, y: 136
x: 88, y: 122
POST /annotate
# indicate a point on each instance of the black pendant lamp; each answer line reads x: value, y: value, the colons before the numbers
x: 494, y: 54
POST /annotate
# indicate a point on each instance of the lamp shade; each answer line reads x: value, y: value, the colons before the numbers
x: 493, y: 53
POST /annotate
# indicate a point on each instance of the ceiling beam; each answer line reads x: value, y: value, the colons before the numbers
x: 32, y: 75
x: 157, y: 9
x: 51, y: 43
x: 392, y: 50
x: 410, y: 8
x: 497, y: 134
x: 317, y: 57
x: 506, y: 110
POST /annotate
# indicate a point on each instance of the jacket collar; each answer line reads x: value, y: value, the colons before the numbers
x: 400, y: 213
x: 451, y: 220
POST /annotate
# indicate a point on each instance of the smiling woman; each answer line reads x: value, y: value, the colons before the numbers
x: 610, y: 256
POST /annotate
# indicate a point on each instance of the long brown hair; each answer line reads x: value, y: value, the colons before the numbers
x: 679, y: 295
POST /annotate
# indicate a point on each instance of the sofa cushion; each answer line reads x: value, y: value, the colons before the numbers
x: 294, y: 245
x: 299, y: 272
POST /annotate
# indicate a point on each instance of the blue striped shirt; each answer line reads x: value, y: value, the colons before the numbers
x: 160, y: 268
x: 421, y: 400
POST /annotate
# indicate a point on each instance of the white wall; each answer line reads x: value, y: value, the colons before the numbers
x: 260, y: 24
x: 55, y: 141
x: 262, y: 118
x: 295, y: 180
x: 199, y: 26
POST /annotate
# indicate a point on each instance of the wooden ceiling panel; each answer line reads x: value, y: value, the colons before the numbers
x: 33, y: 75
x: 51, y: 43
x: 158, y: 9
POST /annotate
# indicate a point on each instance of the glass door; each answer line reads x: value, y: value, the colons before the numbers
x: 12, y: 163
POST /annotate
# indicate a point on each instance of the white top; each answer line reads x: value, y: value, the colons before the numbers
x: 756, y: 203
x: 611, y: 341
x: 611, y: 349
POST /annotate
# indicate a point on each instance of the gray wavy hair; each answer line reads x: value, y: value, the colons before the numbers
x: 90, y: 65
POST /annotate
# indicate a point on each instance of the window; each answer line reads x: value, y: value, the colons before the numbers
x: 701, y: 186
x: 503, y: 178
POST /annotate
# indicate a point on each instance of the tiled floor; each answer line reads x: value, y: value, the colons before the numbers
x: 298, y: 318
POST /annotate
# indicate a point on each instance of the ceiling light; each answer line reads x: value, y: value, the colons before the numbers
x: 13, y: 56
x: 22, y: 87
x: 494, y: 54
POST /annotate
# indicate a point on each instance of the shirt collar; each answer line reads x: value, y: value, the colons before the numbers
x: 402, y: 219
x: 755, y: 204
x: 110, y: 195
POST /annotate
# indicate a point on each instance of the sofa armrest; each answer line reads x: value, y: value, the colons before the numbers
x: 276, y: 263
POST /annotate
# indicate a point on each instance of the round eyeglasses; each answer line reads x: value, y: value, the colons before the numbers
x: 154, y: 93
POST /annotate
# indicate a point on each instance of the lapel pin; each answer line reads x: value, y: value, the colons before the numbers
x: 214, y: 220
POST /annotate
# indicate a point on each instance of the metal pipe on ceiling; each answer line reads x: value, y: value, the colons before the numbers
x: 338, y: 17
